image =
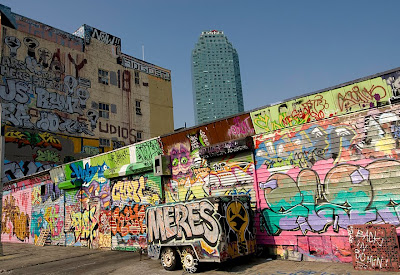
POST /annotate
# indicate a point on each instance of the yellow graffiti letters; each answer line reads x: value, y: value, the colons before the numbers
x: 130, y: 190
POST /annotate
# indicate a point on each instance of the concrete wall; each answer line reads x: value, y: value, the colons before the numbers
x: 161, y: 107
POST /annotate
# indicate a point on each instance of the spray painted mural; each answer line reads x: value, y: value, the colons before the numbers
x: 217, y: 228
x: 315, y: 180
x: 88, y: 208
x: 31, y: 151
x: 42, y: 95
x: 341, y: 101
x: 37, y: 92
x: 130, y: 196
x: 192, y: 174
x: 110, y: 213
x: 232, y: 175
x: 17, y: 219
x: 48, y: 212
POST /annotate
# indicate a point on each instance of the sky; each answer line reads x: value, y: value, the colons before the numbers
x: 286, y: 48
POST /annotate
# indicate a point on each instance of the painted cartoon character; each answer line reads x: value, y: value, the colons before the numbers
x: 181, y: 162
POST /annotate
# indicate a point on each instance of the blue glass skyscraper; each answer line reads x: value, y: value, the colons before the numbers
x: 217, y: 88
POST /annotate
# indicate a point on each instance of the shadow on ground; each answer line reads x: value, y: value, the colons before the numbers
x: 240, y: 264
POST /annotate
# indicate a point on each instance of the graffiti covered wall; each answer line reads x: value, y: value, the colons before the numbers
x: 88, y: 204
x: 29, y: 151
x: 16, y: 218
x: 130, y: 196
x: 48, y: 212
x: 109, y: 213
x: 317, y: 164
x: 363, y: 95
x: 317, y: 178
x: 232, y: 175
x: 42, y: 95
x: 19, y: 221
x: 39, y: 91
x: 192, y: 174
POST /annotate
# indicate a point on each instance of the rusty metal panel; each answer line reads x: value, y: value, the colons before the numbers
x: 212, y: 133
x: 374, y: 247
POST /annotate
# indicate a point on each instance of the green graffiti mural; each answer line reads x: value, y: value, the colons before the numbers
x: 360, y: 96
x: 146, y: 151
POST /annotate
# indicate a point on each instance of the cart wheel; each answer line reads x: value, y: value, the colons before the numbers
x: 189, y: 260
x: 168, y: 258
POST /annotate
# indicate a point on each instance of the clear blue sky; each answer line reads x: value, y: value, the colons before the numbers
x: 286, y: 48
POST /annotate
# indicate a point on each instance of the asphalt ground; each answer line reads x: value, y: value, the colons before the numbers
x: 31, y: 259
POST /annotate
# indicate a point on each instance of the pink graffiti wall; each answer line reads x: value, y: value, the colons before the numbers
x: 316, y: 179
x: 17, y: 216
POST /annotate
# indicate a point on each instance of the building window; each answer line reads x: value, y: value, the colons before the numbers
x: 138, y: 108
x: 103, y: 76
x: 104, y: 142
x: 104, y: 110
x: 136, y: 77
x: 139, y: 136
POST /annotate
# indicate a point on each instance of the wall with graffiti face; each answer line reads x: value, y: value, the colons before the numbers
x: 190, y: 172
x: 217, y: 228
x: 315, y: 179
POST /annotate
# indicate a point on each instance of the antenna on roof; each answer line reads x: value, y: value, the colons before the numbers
x: 143, y: 52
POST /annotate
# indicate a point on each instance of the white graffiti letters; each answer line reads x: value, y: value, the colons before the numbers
x: 15, y: 90
x: 16, y: 114
x: 52, y: 122
x: 190, y: 220
x: 106, y: 38
x: 34, y: 95
x: 55, y: 101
